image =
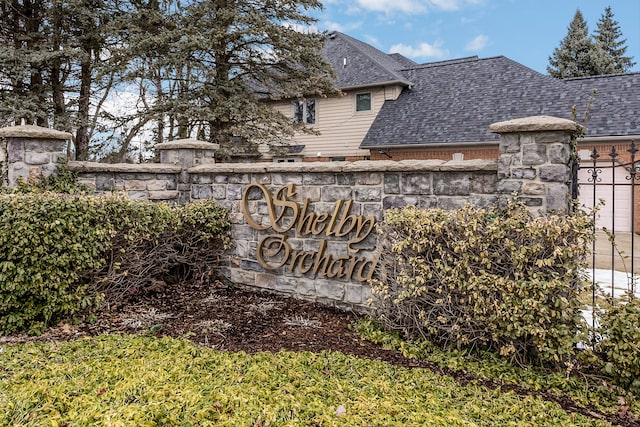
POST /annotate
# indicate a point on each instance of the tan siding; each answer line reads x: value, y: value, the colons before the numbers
x: 341, y: 128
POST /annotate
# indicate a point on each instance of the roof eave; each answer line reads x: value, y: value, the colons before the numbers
x: 602, y: 139
x: 429, y: 145
x: 376, y: 84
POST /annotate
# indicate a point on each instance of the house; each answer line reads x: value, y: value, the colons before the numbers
x: 394, y: 108
x: 368, y: 79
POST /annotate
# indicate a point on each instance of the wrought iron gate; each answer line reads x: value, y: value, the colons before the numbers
x: 611, y: 164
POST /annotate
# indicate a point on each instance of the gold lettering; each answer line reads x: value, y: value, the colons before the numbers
x: 322, y: 262
x: 353, y: 261
x: 282, y: 200
x: 245, y: 205
x: 334, y: 217
x: 346, y: 219
x: 371, y: 264
x: 303, y: 267
x: 339, y: 272
x: 308, y: 221
x: 295, y: 256
x: 315, y: 230
x: 274, y: 251
x: 273, y: 247
x: 363, y: 224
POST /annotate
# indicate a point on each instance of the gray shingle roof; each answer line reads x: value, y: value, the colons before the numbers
x: 358, y: 64
x: 456, y: 101
x: 615, y: 105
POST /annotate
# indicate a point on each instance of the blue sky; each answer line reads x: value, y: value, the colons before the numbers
x: 526, y: 31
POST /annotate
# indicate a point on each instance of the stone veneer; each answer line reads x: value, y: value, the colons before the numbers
x: 27, y: 152
x: 372, y: 186
x: 533, y: 163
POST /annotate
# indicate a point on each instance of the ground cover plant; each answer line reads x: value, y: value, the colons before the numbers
x: 576, y: 383
x: 135, y: 380
x: 223, y: 318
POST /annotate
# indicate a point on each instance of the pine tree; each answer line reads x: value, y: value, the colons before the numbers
x: 248, y: 45
x: 51, y: 65
x: 577, y: 55
x: 608, y: 35
x: 196, y: 67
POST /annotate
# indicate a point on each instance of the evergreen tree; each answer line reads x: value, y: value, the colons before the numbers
x: 221, y: 60
x: 577, y: 55
x: 51, y: 66
x: 608, y: 35
x: 22, y: 62
x: 197, y: 67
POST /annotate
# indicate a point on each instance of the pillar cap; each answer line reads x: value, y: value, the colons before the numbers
x: 36, y: 132
x: 535, y: 124
x: 193, y: 144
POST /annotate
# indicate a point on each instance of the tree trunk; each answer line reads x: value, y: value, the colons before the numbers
x: 84, y: 104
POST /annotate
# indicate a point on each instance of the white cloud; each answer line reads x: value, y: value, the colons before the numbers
x: 448, y: 5
x: 372, y: 40
x: 477, y: 43
x: 414, y: 6
x: 343, y: 27
x: 423, y: 50
x: 406, y: 6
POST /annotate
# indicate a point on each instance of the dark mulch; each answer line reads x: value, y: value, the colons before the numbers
x: 233, y: 319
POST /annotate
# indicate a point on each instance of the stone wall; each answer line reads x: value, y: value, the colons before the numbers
x: 322, y: 201
x: 308, y: 229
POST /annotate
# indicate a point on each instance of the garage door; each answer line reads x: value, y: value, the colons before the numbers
x: 613, y: 189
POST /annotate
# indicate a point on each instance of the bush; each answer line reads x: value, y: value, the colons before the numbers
x: 46, y: 242
x: 493, y: 278
x: 180, y: 243
x: 61, y: 253
x: 620, y: 346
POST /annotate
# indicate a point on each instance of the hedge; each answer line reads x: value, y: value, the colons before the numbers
x: 57, y: 252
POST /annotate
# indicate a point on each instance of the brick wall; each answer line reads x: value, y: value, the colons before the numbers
x: 487, y: 153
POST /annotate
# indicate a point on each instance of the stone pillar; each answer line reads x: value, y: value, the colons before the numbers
x: 29, y: 152
x: 187, y: 153
x: 534, y: 163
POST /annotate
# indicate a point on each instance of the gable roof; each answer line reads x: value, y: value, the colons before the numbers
x: 357, y: 64
x: 456, y: 101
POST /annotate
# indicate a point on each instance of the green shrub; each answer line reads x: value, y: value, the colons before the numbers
x: 620, y: 346
x: 61, y: 253
x: 491, y: 278
x: 46, y: 241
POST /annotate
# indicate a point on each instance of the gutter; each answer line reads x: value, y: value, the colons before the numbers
x: 431, y: 145
x: 486, y: 144
x: 603, y: 139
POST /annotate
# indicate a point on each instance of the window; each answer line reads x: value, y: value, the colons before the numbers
x: 363, y: 101
x: 285, y: 160
x: 304, y: 111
